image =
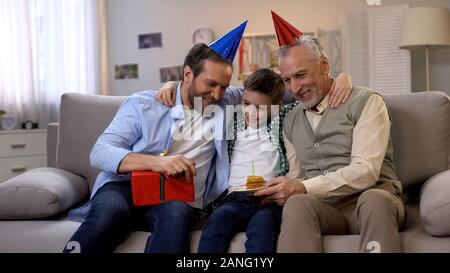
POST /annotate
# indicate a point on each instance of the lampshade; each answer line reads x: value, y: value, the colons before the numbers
x: 426, y: 26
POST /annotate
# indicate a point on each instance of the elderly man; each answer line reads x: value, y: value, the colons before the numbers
x: 350, y: 184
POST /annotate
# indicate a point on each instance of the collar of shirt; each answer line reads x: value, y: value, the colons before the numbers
x: 177, y: 112
x: 320, y: 108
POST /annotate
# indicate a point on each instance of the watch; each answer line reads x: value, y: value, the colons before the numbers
x: 203, y: 35
x: 8, y: 121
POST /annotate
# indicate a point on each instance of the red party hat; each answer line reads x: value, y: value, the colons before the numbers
x: 286, y: 33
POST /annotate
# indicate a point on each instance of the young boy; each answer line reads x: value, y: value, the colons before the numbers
x: 257, y: 148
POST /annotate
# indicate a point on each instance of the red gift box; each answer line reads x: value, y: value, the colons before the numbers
x: 151, y: 188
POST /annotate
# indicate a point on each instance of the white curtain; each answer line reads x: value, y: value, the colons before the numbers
x: 17, y: 93
x: 49, y: 47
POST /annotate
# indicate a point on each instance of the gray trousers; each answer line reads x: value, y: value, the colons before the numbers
x: 376, y: 213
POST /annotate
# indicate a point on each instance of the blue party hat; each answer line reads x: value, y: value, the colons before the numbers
x: 228, y: 44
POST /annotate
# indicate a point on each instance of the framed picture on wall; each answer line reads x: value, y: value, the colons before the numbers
x: 171, y: 73
x: 150, y: 40
x: 126, y: 71
x: 258, y: 51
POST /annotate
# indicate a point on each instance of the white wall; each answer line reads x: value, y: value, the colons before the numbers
x: 177, y: 19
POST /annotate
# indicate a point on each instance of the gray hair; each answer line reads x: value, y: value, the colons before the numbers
x: 315, y: 49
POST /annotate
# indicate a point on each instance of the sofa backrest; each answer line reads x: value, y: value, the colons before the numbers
x: 82, y: 119
x: 420, y: 132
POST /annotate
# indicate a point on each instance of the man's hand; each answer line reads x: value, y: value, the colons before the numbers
x: 167, y: 94
x: 340, y: 90
x: 280, y: 189
x: 173, y: 165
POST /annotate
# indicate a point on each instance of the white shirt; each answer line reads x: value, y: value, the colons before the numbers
x: 190, y: 138
x: 253, y: 145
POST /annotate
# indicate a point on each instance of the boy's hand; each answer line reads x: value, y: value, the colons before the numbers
x: 340, y: 90
x: 167, y: 94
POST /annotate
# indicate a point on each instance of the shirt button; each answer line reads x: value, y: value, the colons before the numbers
x: 316, y: 145
x: 325, y: 172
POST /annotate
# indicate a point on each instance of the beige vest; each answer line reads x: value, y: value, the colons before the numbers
x: 329, y: 147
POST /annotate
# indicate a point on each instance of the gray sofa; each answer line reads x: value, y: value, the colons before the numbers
x: 34, y: 205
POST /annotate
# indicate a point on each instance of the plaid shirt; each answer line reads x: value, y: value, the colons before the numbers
x: 275, y: 131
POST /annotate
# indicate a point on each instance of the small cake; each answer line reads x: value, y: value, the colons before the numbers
x: 254, y: 182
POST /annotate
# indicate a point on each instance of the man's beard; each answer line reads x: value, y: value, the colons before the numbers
x: 192, y: 99
x: 317, y: 96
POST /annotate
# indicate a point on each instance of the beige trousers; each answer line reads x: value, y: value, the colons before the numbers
x: 376, y: 214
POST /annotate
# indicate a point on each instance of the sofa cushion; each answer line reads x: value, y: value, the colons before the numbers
x: 52, y: 141
x: 82, y: 119
x: 40, y: 193
x: 421, y: 134
x: 435, y: 204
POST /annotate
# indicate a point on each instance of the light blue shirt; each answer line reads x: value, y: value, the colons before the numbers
x: 143, y: 125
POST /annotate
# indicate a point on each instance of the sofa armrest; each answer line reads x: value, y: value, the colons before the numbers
x: 40, y: 193
x: 435, y: 204
x: 52, y: 143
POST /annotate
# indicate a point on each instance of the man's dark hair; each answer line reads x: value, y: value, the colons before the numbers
x: 267, y: 82
x: 198, y: 54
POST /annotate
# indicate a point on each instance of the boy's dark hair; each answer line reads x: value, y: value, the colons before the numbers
x: 267, y: 82
x: 198, y: 54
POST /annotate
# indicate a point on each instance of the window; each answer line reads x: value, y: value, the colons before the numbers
x: 51, y: 49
